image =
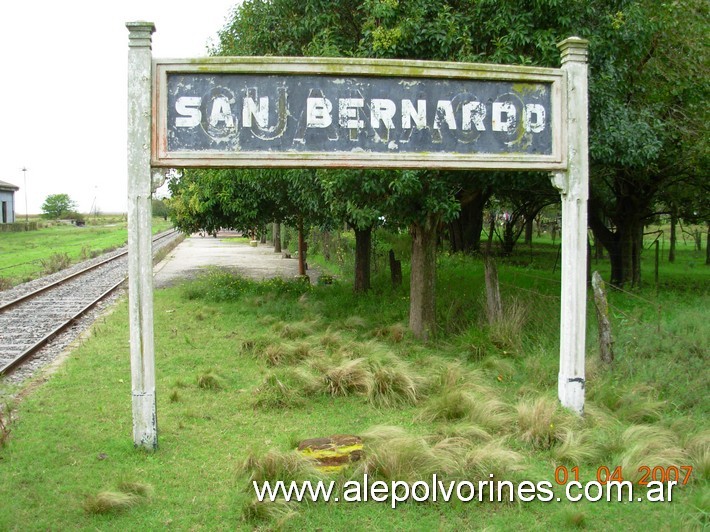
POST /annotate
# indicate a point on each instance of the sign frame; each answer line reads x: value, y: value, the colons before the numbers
x: 569, y: 173
x: 346, y: 67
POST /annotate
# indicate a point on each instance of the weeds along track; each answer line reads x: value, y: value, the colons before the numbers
x: 31, y: 320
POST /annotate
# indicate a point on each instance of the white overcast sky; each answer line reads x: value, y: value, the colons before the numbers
x: 63, y: 90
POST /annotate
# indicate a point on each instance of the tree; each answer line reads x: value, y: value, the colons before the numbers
x: 56, y: 206
x: 359, y: 198
x: 648, y: 118
x: 160, y: 208
x: 648, y: 91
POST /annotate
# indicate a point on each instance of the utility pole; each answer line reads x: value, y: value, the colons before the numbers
x: 27, y: 218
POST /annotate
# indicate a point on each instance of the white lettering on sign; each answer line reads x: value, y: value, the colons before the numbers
x: 258, y: 112
x: 418, y: 114
x: 475, y: 116
x: 534, y: 118
x: 221, y: 112
x: 382, y: 111
x: 507, y: 110
x: 189, y: 109
x: 318, y: 112
x: 445, y: 112
x: 348, y: 109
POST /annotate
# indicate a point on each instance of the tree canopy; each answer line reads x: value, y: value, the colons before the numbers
x: 57, y: 206
x: 648, y: 115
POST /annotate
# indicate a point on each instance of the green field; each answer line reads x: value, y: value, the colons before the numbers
x: 247, y: 370
x: 27, y: 255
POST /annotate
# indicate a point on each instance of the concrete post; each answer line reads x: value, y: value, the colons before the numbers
x: 574, y: 190
x: 140, y: 256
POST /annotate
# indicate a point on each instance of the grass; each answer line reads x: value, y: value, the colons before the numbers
x: 26, y: 255
x: 316, y: 361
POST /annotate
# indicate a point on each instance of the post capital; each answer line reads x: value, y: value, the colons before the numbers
x: 140, y: 34
x: 573, y: 49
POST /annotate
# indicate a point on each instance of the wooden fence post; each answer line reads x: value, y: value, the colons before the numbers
x: 606, y: 341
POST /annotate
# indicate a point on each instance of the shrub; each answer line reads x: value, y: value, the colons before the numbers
x: 56, y: 262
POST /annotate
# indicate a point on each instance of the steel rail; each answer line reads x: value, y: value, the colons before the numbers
x: 54, y: 332
x: 58, y: 282
x: 19, y: 359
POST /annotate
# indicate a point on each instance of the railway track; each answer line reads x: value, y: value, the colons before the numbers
x: 30, y: 321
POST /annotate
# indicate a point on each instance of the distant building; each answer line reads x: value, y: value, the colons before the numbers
x: 7, y: 202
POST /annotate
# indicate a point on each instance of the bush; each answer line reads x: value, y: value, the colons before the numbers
x: 56, y: 262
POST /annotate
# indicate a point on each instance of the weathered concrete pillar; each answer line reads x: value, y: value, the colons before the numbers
x: 574, y: 189
x: 140, y: 256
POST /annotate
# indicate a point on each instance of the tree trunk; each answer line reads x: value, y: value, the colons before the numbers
x: 508, y: 237
x: 637, y: 250
x: 674, y: 223
x: 624, y: 245
x: 301, y: 250
x: 277, y: 237
x: 363, y: 248
x: 422, y: 292
x: 707, y: 246
x: 395, y: 270
x: 263, y: 235
x: 326, y: 245
x: 491, y: 229
x: 598, y: 249
x: 529, y: 229
x: 465, y: 231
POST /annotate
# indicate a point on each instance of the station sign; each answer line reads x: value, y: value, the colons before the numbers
x: 356, y: 113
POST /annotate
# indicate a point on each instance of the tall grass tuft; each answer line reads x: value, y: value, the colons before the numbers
x: 287, y: 354
x: 454, y: 375
x: 393, y: 385
x: 394, y: 333
x: 348, y: 378
x: 285, y: 388
x: 354, y: 323
x: 404, y: 457
x: 209, y: 381
x: 393, y: 454
x: 650, y: 446
x: 578, y: 447
x: 111, y: 501
x: 698, y: 449
x: 276, y: 465
x: 278, y: 511
x: 542, y: 422
x: 129, y: 495
x: 637, y: 406
x: 507, y: 332
x: 483, y: 409
x: 137, y: 488
x: 330, y: 340
x: 294, y: 330
x: 468, y: 431
x: 492, y: 458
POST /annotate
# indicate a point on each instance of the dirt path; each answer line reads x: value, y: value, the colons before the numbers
x: 196, y: 254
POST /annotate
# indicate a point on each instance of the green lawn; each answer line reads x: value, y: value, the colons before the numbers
x: 272, y: 358
x: 21, y: 254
